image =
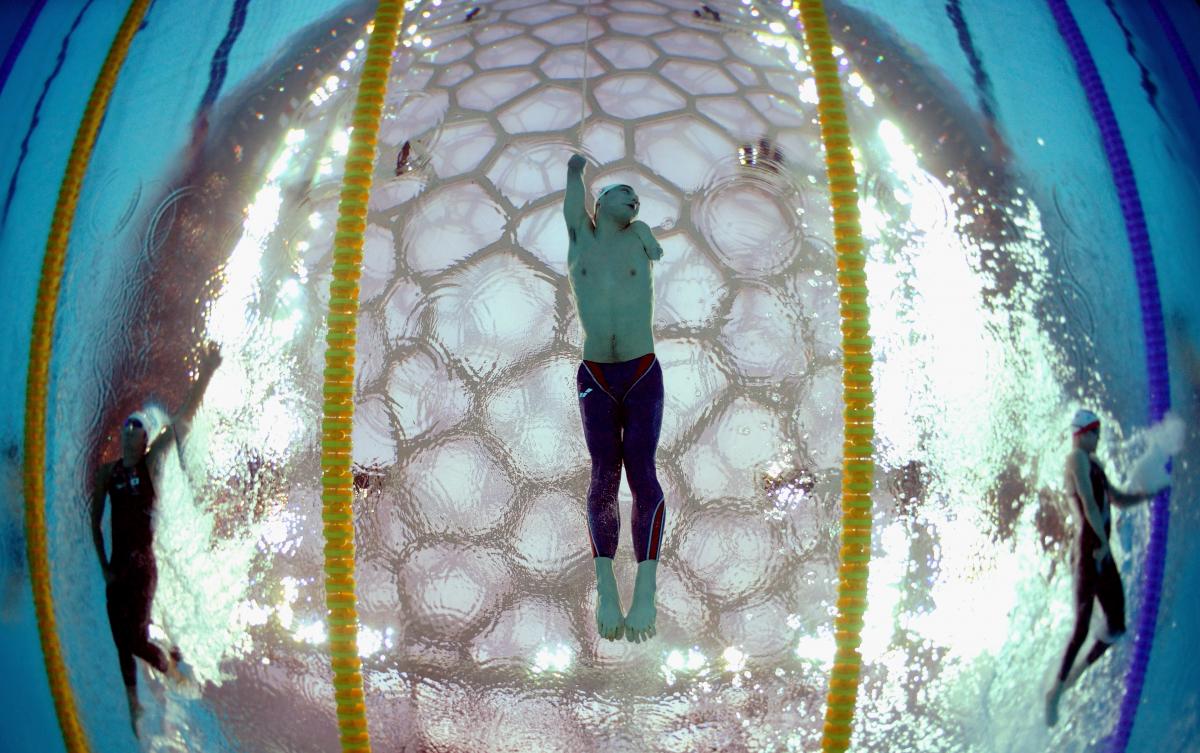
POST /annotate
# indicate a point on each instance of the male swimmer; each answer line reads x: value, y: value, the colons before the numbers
x: 1096, y: 574
x: 131, y: 573
x: 620, y: 385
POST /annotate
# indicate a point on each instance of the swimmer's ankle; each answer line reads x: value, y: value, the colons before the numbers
x: 605, y: 577
x: 647, y: 573
x: 642, y: 615
x: 135, y: 708
x: 646, y: 583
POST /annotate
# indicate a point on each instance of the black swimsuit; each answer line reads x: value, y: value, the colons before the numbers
x: 135, y: 575
x: 131, y: 493
x: 1094, y: 581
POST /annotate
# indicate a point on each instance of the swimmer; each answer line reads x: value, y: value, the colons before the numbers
x: 131, y: 574
x: 620, y: 386
x: 402, y: 163
x: 1096, y: 574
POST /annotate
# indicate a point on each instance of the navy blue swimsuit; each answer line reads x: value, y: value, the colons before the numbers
x: 622, y: 405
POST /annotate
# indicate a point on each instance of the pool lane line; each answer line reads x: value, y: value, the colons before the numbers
x: 857, y: 461
x: 1178, y: 47
x: 37, y: 381
x: 1156, y: 355
x: 337, y: 425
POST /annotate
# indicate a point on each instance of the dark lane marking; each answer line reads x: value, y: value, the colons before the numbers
x: 1148, y: 85
x: 37, y: 109
x: 18, y: 41
x: 983, y: 83
x: 220, y: 60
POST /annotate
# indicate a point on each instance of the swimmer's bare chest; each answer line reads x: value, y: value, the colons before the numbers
x: 614, y: 295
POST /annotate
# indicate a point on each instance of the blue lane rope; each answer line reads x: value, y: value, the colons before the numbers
x: 1156, y: 355
x: 1177, y: 46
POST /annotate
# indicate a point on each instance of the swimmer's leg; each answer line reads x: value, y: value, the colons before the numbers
x: 135, y: 708
x: 1111, y: 595
x: 141, y: 584
x: 643, y: 424
x: 1084, y: 597
x: 123, y: 622
x: 602, y: 433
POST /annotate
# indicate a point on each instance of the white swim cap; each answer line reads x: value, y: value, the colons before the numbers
x: 610, y: 187
x: 1084, y: 421
x: 152, y: 418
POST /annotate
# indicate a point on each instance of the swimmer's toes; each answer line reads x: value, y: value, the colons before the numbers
x: 610, y: 630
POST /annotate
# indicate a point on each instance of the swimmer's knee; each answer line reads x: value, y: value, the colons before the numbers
x: 1112, y: 636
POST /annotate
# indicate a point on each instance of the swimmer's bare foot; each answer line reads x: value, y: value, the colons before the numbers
x: 609, y: 622
x: 639, y: 622
x: 174, y: 673
x: 1052, y: 698
x: 135, y: 708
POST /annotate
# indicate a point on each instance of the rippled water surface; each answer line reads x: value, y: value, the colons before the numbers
x: 1001, y: 299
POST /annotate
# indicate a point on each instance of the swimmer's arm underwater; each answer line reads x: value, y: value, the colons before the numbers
x: 1083, y: 487
x: 181, y: 420
x: 99, y: 494
x: 1128, y: 499
x: 653, y: 250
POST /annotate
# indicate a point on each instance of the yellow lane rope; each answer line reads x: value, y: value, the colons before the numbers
x: 38, y: 377
x: 857, y: 464
x: 336, y: 427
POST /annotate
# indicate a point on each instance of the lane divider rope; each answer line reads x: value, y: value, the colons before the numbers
x: 337, y: 479
x: 858, y: 465
x: 1178, y: 47
x: 38, y: 378
x: 1156, y: 354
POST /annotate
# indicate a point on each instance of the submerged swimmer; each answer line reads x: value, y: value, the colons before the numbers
x: 1096, y: 574
x: 620, y: 383
x: 131, y: 573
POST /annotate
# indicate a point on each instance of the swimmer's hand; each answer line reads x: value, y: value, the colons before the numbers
x: 211, y: 359
x: 577, y: 162
x: 646, y: 236
x: 1102, y: 552
x: 109, y: 575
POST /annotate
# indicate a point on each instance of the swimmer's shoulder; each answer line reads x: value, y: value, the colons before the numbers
x: 105, y: 470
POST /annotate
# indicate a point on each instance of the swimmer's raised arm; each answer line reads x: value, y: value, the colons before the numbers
x: 653, y: 249
x: 181, y: 420
x: 573, y: 205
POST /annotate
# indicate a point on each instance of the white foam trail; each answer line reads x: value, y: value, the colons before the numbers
x: 1151, y: 449
x: 203, y: 578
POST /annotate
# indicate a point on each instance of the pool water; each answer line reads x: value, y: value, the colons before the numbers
x: 1002, y: 298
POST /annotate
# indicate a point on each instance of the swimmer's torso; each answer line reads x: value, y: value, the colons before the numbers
x: 1087, y: 536
x: 131, y: 493
x: 614, y: 295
